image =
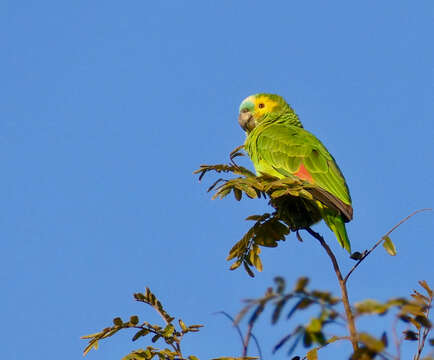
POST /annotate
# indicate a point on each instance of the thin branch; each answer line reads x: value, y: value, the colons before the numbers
x: 247, y: 339
x: 234, y: 324
x: 396, y: 338
x: 366, y: 253
x: 257, y: 345
x: 345, y: 300
x: 248, y: 335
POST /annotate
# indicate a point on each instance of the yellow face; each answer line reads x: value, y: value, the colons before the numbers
x: 256, y: 108
x: 265, y: 107
x: 262, y: 105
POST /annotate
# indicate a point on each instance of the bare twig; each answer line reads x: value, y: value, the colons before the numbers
x: 247, y: 339
x: 349, y: 314
x: 249, y: 334
x: 366, y: 253
x: 255, y: 339
x: 233, y: 323
x: 396, y: 338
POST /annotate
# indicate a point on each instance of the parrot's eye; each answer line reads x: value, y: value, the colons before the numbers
x: 261, y: 105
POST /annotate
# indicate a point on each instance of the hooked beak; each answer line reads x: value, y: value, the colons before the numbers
x: 246, y: 120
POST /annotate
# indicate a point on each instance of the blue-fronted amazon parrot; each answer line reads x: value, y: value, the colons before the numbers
x: 279, y: 146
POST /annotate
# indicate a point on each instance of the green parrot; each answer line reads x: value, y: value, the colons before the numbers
x: 279, y: 146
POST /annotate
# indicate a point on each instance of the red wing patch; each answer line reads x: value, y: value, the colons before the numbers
x: 303, y: 174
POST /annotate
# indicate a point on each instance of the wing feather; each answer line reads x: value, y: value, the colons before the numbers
x: 284, y: 148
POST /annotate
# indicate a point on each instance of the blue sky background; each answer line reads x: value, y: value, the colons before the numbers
x: 108, y: 107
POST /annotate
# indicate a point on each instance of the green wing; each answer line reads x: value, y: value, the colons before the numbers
x: 286, y: 148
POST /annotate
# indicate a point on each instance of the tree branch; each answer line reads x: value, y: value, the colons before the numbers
x: 349, y: 314
x: 366, y: 253
x: 249, y: 334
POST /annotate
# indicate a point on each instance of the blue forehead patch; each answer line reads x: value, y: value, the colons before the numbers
x: 247, y: 104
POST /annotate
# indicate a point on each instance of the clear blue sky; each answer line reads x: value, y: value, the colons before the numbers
x: 108, y: 107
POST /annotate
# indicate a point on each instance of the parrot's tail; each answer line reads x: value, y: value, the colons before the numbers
x: 337, y: 225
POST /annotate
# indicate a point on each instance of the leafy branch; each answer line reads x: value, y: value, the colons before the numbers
x: 269, y: 228
x: 170, y: 333
x: 413, y: 313
x: 311, y: 333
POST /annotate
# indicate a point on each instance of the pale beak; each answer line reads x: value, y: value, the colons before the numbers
x: 246, y: 121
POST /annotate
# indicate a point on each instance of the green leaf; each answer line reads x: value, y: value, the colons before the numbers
x: 250, y: 192
x: 134, y: 320
x: 155, y: 338
x: 302, y: 304
x: 183, y: 326
x: 312, y: 355
x: 139, y: 296
x: 412, y: 309
x: 237, y: 194
x: 254, y: 217
x: 137, y: 355
x: 370, y: 306
x: 371, y: 342
x: 307, y: 339
x: 318, y: 337
x: 424, y: 284
x: 248, y: 270
x: 278, y: 193
x: 251, y: 256
x: 90, y: 336
x: 235, y: 265
x: 168, y: 331
x: 301, y: 284
x: 118, y: 321
x: 140, y: 333
x: 265, y: 241
x: 315, y: 325
x: 410, y: 335
x: 423, y: 321
x: 92, y: 345
x: 389, y: 246
x: 404, y: 318
x: 279, y: 306
x: 195, y: 326
x: 305, y: 194
x: 257, y: 263
x: 221, y: 193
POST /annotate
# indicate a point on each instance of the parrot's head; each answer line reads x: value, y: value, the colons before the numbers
x: 260, y: 107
